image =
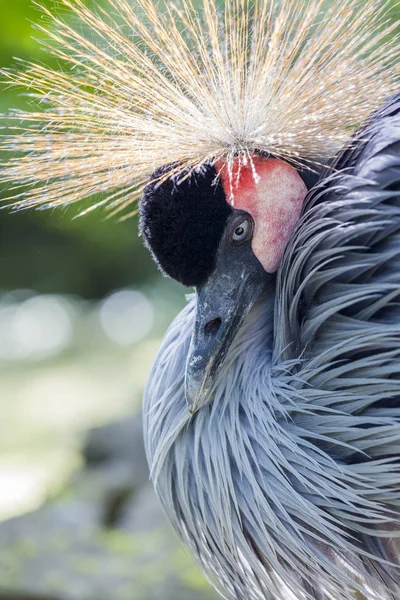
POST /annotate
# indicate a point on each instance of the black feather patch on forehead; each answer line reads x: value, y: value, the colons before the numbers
x: 183, y: 222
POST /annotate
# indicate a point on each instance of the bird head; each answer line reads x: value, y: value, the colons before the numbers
x: 222, y: 230
x: 235, y: 102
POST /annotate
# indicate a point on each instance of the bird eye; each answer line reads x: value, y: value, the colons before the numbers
x: 242, y: 232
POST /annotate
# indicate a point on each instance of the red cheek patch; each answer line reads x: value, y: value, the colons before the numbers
x: 272, y: 192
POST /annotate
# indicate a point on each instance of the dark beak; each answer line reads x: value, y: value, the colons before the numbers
x: 222, y: 305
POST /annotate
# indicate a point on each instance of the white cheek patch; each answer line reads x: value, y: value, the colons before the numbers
x: 274, y: 198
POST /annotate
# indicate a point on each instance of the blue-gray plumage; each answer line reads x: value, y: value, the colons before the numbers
x: 286, y: 480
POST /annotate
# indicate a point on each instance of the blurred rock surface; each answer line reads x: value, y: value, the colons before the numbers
x: 103, y: 538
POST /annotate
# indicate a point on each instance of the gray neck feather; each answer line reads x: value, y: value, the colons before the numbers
x: 242, y: 482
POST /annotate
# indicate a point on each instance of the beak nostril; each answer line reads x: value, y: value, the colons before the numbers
x: 212, y: 327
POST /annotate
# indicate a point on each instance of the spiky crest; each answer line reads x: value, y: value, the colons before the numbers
x: 157, y: 84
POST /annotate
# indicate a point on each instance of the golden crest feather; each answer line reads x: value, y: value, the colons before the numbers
x: 183, y: 84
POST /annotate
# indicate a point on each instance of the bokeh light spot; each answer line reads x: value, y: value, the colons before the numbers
x: 37, y: 328
x: 126, y: 316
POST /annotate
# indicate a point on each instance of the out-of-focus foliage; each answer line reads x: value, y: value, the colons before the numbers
x: 51, y: 251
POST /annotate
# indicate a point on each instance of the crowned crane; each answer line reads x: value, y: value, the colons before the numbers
x: 264, y: 145
x: 272, y: 410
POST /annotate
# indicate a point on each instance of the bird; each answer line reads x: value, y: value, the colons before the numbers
x: 262, y: 141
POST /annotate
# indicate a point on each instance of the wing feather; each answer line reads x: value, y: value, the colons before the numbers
x: 337, y: 324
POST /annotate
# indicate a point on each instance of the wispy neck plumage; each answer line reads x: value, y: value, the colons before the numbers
x: 165, y: 405
x: 243, y: 485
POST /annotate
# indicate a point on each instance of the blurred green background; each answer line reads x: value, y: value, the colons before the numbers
x: 109, y: 255
x: 82, y: 313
